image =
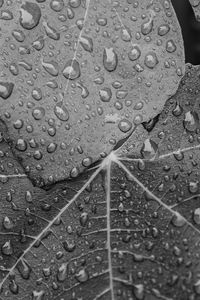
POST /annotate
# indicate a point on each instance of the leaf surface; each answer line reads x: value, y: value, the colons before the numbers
x: 79, y: 76
x: 127, y: 229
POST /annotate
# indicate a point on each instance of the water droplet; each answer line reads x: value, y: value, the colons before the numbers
x: 177, y: 220
x: 18, y: 35
x: 24, y: 269
x: 149, y: 149
x: 151, y: 60
x: 74, y: 3
x: 30, y: 15
x: 125, y: 125
x: 84, y: 218
x: 86, y: 162
x: 72, y: 69
x: 7, y: 223
x: 38, y: 44
x: 69, y: 246
x: 82, y: 275
x: 38, y: 113
x: 147, y: 27
x: 105, y: 94
x: 170, y: 46
x: 139, y: 291
x: 126, y: 34
x: 110, y: 59
x: 191, y: 121
x: 6, y: 15
x: 57, y: 5
x: 51, y: 67
x: 61, y: 111
x: 74, y: 172
x: 14, y: 69
x: 86, y: 43
x: 196, y: 216
x: 193, y: 187
x: 38, y: 295
x: 14, y: 288
x: 62, y: 272
x: 51, y: 32
x: 37, y: 94
x: 7, y: 248
x: 134, y: 53
x: 84, y: 90
x: 177, y: 111
x: 102, y: 21
x: 197, y: 287
x: 163, y: 29
x: 21, y: 145
x: 6, y: 89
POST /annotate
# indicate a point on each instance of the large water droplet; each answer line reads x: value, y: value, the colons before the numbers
x: 177, y: 220
x: 72, y: 69
x: 6, y: 89
x: 134, y: 53
x: 24, y: 269
x: 105, y: 94
x: 110, y: 59
x: 193, y: 187
x: 170, y: 46
x: 163, y: 29
x: 7, y: 248
x: 57, y: 5
x: 51, y: 32
x: 69, y: 246
x: 61, y: 111
x: 7, y: 223
x: 151, y: 60
x: 149, y: 149
x: 139, y: 291
x: 191, y: 121
x: 125, y: 125
x: 51, y: 67
x: 147, y: 27
x: 82, y: 275
x: 86, y: 43
x: 38, y: 113
x: 38, y: 295
x: 30, y: 15
x: 196, y: 216
x: 62, y: 272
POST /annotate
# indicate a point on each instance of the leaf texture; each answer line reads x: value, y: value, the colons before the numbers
x: 79, y: 76
x: 127, y: 229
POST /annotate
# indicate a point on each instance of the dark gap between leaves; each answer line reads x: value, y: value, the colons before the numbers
x: 190, y: 30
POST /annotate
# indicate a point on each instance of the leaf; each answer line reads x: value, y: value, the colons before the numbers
x: 79, y: 76
x: 196, y: 8
x: 127, y: 229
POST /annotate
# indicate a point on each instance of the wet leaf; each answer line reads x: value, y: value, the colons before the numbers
x: 79, y: 76
x: 196, y: 8
x: 127, y: 229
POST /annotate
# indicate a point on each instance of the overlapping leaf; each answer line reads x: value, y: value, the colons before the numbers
x: 196, y: 8
x: 129, y: 229
x: 78, y: 76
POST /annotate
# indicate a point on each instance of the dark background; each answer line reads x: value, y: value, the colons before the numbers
x: 190, y: 30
